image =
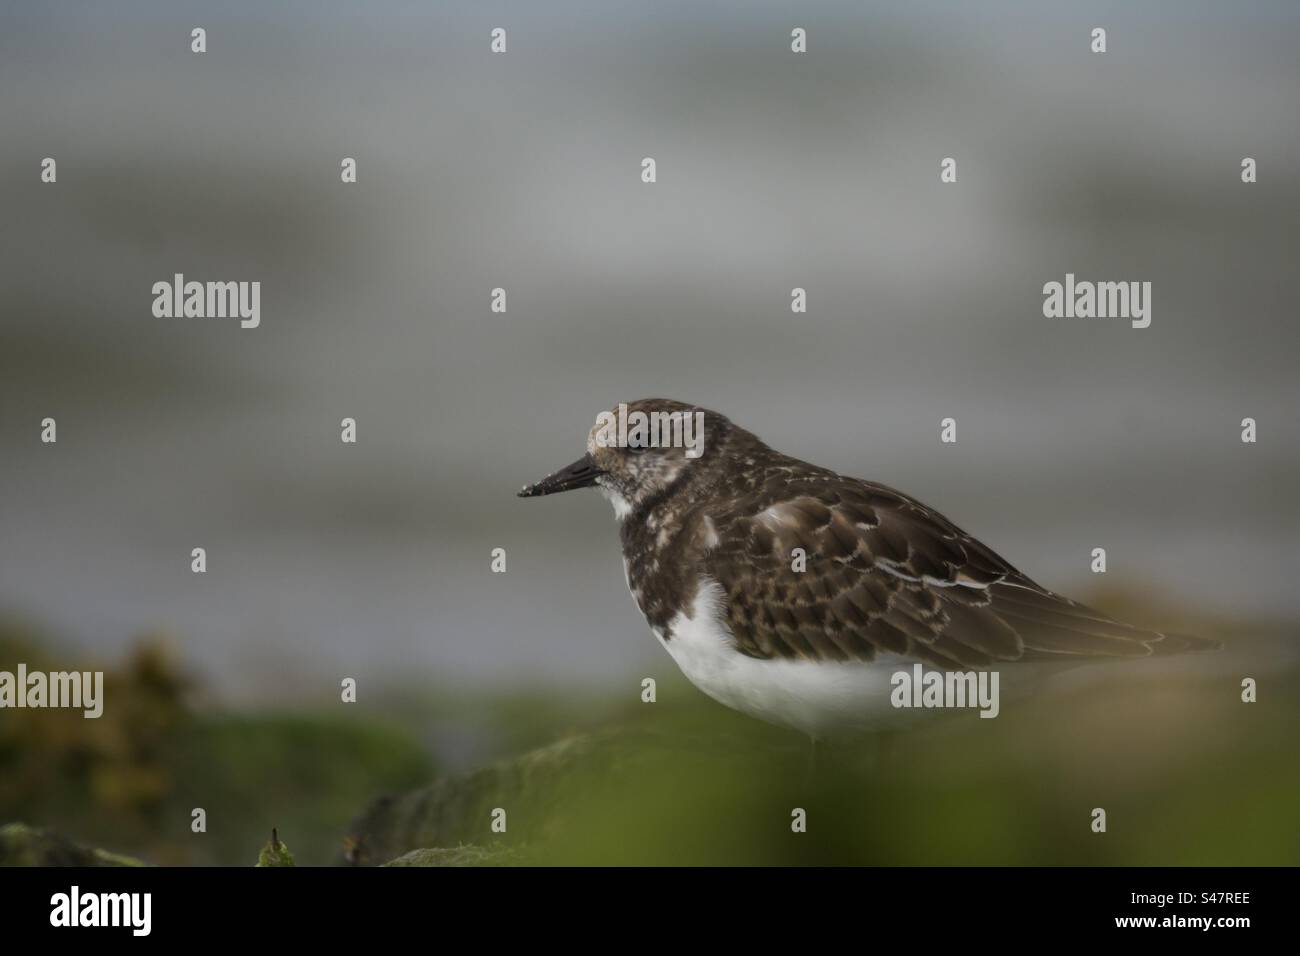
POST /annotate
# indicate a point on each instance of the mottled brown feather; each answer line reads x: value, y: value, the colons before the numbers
x: 884, y: 574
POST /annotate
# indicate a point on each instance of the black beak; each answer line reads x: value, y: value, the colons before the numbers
x: 581, y: 474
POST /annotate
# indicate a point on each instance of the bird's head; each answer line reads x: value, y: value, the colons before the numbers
x: 639, y: 450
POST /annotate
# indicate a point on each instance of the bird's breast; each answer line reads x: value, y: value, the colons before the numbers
x: 816, y: 698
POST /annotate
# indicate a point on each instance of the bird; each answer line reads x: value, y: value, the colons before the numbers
x: 792, y: 593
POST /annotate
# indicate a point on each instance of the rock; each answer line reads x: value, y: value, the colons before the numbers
x: 460, y: 856
x: 458, y: 811
x: 23, y: 845
x: 540, y: 803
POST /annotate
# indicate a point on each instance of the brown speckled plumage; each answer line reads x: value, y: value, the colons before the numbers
x: 884, y: 572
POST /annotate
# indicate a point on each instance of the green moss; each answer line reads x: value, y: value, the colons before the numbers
x: 275, y: 853
x: 1186, y: 772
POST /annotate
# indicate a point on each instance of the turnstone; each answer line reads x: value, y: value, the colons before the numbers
x: 710, y: 553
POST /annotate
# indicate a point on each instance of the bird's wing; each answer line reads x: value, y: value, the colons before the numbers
x: 884, y: 573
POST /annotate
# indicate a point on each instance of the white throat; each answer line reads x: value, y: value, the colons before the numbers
x: 622, y: 507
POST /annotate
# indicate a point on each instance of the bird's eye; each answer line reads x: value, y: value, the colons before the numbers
x: 636, y: 444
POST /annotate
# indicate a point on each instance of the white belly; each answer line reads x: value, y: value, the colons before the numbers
x: 816, y: 698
